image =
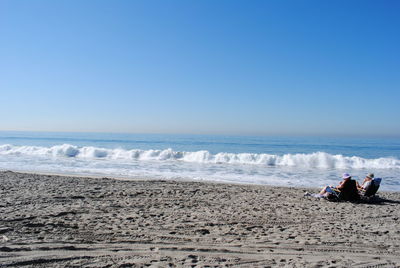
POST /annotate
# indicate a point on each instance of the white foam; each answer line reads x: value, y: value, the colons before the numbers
x: 313, y: 160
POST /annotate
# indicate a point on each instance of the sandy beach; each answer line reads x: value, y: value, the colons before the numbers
x: 63, y: 221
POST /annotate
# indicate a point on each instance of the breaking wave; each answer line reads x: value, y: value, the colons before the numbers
x: 312, y: 160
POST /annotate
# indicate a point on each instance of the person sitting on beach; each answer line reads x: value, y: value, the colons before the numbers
x: 345, y: 191
x: 366, y: 183
x: 329, y: 190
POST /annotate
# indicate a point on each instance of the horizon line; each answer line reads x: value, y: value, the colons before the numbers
x: 271, y: 134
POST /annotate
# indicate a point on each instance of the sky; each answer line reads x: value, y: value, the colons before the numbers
x: 201, y: 67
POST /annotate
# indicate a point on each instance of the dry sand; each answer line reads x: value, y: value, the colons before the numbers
x: 58, y: 221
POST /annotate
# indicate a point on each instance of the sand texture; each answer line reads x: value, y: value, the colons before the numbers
x: 58, y: 221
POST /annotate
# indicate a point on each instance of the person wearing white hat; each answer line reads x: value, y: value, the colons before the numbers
x: 367, y: 182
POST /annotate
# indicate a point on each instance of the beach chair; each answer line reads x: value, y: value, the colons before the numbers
x: 334, y: 194
x: 349, y: 192
x: 372, y: 188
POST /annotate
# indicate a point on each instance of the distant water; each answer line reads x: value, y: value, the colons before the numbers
x: 287, y: 161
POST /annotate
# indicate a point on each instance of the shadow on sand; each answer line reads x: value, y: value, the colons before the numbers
x: 377, y: 200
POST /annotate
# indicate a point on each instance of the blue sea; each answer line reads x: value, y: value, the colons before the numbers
x: 281, y: 161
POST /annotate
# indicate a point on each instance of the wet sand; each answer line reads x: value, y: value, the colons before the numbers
x: 62, y: 221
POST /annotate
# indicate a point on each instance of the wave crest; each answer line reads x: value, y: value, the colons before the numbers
x: 312, y: 160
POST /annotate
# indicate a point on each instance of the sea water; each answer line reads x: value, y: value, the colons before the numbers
x: 282, y: 161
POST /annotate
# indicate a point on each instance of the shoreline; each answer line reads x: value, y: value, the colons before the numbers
x: 63, y: 221
x: 127, y: 178
x: 137, y: 179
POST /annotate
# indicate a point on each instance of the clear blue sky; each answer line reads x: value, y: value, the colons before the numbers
x: 229, y: 67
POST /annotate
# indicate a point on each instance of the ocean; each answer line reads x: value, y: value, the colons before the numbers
x: 280, y: 161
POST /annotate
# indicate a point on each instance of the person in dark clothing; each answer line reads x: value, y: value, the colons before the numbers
x: 346, y: 190
x: 329, y: 190
x: 349, y: 191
